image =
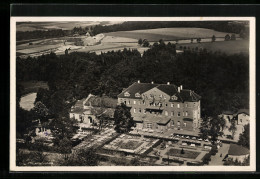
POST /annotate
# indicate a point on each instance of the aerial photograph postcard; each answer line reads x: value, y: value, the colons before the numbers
x: 132, y: 94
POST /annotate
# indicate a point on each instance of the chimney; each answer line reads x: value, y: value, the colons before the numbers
x: 168, y: 83
x: 138, y: 81
x: 179, y: 89
x: 152, y: 82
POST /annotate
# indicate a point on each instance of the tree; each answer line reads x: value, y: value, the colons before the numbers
x: 213, y: 38
x: 211, y: 126
x: 227, y: 37
x: 40, y: 111
x: 244, y: 139
x: 100, y: 115
x: 135, y: 161
x: 233, y: 127
x: 145, y: 43
x: 191, y: 40
x: 65, y: 147
x: 82, y: 157
x: 233, y: 37
x: 62, y: 128
x: 123, y: 119
x: 198, y: 40
x: 161, y: 41
x: 140, y: 41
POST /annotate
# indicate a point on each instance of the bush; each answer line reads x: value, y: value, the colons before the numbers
x: 206, y: 158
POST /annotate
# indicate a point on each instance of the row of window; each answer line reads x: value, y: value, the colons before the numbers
x: 157, y: 104
x: 165, y: 112
x: 149, y: 125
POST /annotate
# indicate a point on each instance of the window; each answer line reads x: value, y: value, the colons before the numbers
x: 172, y: 105
x: 179, y: 114
x: 144, y: 111
x: 137, y: 95
x: 166, y: 113
x: 125, y: 102
x: 128, y: 102
x: 240, y: 120
x: 186, y: 114
x: 139, y: 102
x: 134, y: 102
x: 134, y: 110
x: 143, y: 102
x: 126, y: 94
x: 140, y: 110
x: 186, y: 105
x: 172, y: 122
x: 178, y: 123
x: 166, y: 104
x: 178, y: 105
x: 174, y: 97
x: 194, y: 104
x: 172, y: 113
x: 160, y: 96
x: 184, y: 124
x: 149, y: 125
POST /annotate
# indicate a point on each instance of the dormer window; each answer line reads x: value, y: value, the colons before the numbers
x: 174, y: 97
x: 137, y: 95
x: 126, y: 94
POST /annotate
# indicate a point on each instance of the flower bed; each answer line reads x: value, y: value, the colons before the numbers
x: 186, y: 154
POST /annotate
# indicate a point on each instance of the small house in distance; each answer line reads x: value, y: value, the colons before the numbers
x: 242, y: 116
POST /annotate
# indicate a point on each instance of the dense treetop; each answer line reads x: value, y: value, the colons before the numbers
x: 222, y: 80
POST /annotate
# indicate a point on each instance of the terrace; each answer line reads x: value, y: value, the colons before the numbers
x: 131, y: 144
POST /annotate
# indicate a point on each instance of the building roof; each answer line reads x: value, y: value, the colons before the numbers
x: 79, y: 103
x: 246, y: 111
x: 103, y: 101
x: 183, y: 95
x: 78, y: 110
x: 237, y: 150
x: 137, y: 88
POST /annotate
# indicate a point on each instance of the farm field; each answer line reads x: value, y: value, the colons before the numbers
x: 228, y: 47
x: 167, y: 33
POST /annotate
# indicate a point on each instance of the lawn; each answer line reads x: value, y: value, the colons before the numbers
x: 131, y: 144
x: 167, y: 33
x: 187, y: 153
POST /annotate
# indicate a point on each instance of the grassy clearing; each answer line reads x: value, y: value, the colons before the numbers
x: 167, y: 33
x: 132, y: 145
x: 228, y: 47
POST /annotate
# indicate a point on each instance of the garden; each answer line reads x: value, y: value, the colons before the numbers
x: 131, y: 144
x: 183, y: 153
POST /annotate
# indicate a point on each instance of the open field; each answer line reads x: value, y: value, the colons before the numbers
x: 115, y: 41
x: 66, y: 25
x: 168, y: 33
x: 229, y: 47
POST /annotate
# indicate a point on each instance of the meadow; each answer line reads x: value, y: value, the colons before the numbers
x: 168, y: 33
x: 228, y: 47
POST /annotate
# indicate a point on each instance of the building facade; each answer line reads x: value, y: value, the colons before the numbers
x: 158, y: 107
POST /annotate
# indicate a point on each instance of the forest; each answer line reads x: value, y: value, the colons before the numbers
x: 222, y: 26
x: 222, y: 80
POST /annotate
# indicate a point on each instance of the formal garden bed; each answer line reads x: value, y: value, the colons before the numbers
x: 183, y: 153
